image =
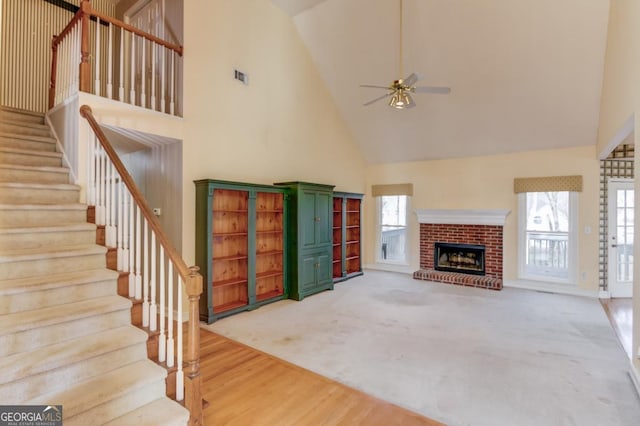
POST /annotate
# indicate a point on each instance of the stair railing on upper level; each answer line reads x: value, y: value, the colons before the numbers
x: 142, y: 67
x: 157, y: 273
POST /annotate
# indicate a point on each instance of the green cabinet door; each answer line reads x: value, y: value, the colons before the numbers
x: 308, y: 219
x: 324, y: 218
x: 324, y: 269
x: 308, y: 267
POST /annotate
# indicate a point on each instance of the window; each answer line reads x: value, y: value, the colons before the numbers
x: 547, y: 235
x: 392, y: 220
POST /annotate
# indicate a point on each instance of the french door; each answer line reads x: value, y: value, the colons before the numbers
x: 620, y: 237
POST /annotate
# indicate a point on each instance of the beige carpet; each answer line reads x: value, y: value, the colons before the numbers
x: 460, y: 355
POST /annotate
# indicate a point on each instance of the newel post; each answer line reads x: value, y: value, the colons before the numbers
x: 85, y: 66
x: 193, y: 392
x: 54, y: 70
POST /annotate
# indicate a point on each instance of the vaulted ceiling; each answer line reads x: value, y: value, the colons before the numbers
x: 525, y: 74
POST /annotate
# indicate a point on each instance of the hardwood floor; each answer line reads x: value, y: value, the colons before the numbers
x: 247, y: 387
x: 620, y: 313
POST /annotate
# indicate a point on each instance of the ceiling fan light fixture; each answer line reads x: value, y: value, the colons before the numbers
x: 401, y: 100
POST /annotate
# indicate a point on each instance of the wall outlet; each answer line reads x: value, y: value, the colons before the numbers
x: 157, y: 211
x: 583, y: 276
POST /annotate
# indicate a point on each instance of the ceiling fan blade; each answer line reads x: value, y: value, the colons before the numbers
x: 379, y: 98
x: 375, y: 87
x: 426, y: 89
x: 412, y: 79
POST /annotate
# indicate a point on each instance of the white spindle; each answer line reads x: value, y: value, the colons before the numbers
x: 138, y: 292
x: 163, y: 72
x: 145, y: 277
x: 120, y: 227
x: 153, y: 76
x: 107, y: 204
x: 91, y: 190
x: 132, y: 247
x: 132, y: 91
x: 100, y: 213
x: 110, y: 64
x: 170, y: 342
x: 153, y: 309
x: 77, y: 58
x: 179, y: 373
x: 143, y: 74
x: 126, y: 265
x: 173, y: 83
x: 162, y: 341
x: 121, y: 79
x: 96, y: 89
x: 111, y: 232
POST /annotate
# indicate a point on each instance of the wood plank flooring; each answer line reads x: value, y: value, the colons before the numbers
x: 620, y: 313
x: 245, y: 386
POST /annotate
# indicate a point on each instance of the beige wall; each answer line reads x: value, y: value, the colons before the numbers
x: 487, y: 183
x: 620, y: 101
x: 282, y: 126
x: 621, y: 82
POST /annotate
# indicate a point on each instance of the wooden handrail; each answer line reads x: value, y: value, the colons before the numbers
x: 176, y: 48
x: 58, y: 39
x: 191, y: 277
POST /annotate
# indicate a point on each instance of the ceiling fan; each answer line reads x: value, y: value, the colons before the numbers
x: 400, y: 90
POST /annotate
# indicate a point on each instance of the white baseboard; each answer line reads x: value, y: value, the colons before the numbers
x: 604, y: 294
x: 550, y: 287
x: 635, y: 377
x: 403, y: 269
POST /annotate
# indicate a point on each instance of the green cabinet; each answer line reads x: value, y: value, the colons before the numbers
x: 311, y: 238
x: 241, y: 246
x: 347, y: 233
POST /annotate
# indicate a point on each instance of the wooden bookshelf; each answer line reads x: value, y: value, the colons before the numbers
x: 230, y: 218
x: 269, y: 245
x: 347, y: 260
x: 241, y: 246
x: 337, y: 237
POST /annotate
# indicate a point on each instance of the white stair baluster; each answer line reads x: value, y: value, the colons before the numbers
x: 163, y: 72
x: 143, y: 74
x: 107, y: 205
x: 153, y: 309
x: 162, y: 338
x: 179, y: 373
x: 132, y: 89
x: 172, y: 82
x: 121, y: 80
x: 101, y: 180
x: 125, y: 229
x: 145, y: 277
x: 91, y: 189
x: 96, y: 89
x: 170, y: 342
x: 132, y: 246
x: 110, y: 63
x: 138, y: 292
x: 153, y: 76
x: 120, y: 226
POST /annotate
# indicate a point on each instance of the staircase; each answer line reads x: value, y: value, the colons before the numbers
x: 66, y: 336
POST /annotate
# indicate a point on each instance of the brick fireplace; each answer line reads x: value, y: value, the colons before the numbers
x: 481, y: 228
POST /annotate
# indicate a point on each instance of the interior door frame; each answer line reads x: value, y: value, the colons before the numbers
x: 612, y: 284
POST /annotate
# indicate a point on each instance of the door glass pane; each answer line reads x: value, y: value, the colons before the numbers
x: 624, y: 234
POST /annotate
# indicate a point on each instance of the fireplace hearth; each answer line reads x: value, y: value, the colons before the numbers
x: 464, y: 258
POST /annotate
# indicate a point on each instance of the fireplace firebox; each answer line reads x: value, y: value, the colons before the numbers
x: 464, y: 258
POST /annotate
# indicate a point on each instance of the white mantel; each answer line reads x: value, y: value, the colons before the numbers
x: 463, y: 216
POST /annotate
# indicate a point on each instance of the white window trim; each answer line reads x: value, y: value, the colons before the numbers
x: 379, y: 259
x: 573, y: 243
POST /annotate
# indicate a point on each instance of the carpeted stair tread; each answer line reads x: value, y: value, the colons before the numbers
x: 40, y: 360
x: 159, y: 412
x: 49, y: 228
x: 40, y: 207
x: 8, y: 111
x: 48, y: 169
x: 104, y: 388
x: 37, y: 138
x: 50, y: 252
x: 24, y: 285
x: 31, y: 152
x: 33, y: 185
x: 28, y: 320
